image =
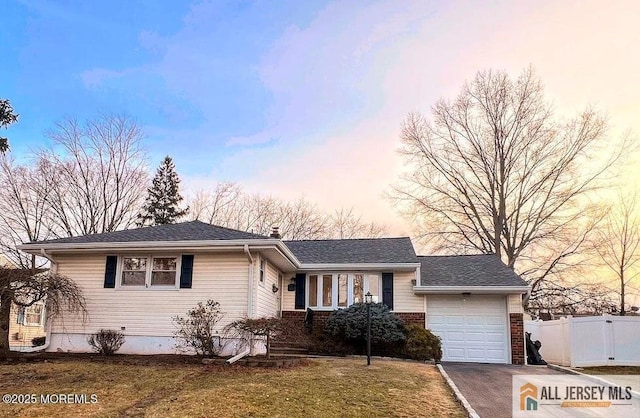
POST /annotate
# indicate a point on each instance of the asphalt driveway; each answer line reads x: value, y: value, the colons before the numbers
x: 487, y: 387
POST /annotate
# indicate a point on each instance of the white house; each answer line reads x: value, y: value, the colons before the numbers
x: 137, y: 280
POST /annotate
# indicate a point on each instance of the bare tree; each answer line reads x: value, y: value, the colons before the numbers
x: 25, y: 287
x: 99, y: 178
x: 556, y: 299
x: 618, y: 244
x: 23, y: 210
x: 345, y: 223
x: 494, y: 172
x: 301, y: 219
x: 228, y: 205
x: 216, y: 207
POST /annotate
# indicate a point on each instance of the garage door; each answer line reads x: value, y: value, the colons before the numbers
x: 473, y: 328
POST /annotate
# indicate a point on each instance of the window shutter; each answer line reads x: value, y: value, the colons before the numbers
x: 110, y: 272
x: 387, y: 289
x: 186, y: 271
x: 300, y: 290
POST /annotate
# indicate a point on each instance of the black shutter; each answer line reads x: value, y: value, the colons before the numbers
x: 110, y: 271
x: 300, y: 289
x: 387, y: 289
x: 186, y: 271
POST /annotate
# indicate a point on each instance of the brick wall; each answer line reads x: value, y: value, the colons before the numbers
x: 411, y: 317
x: 517, y: 338
x: 320, y: 317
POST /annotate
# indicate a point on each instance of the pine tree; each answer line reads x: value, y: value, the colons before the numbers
x: 161, y: 205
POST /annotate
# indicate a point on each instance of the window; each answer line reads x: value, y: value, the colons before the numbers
x: 262, y: 270
x: 339, y: 290
x: 343, y: 283
x: 30, y: 315
x: 149, y: 272
x: 134, y: 271
x: 327, y: 290
x: 358, y: 288
x: 164, y: 271
x: 313, y: 291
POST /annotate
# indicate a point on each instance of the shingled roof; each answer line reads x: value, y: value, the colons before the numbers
x: 185, y: 231
x: 467, y: 270
x: 354, y: 251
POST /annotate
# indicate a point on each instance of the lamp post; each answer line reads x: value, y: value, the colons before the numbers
x: 368, y: 298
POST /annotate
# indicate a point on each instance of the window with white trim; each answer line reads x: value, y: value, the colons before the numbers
x: 149, y: 272
x: 340, y: 290
x: 262, y: 270
x: 31, y: 315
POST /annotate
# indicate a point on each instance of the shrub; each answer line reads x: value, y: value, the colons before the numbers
x: 323, y: 343
x: 421, y: 344
x: 38, y: 341
x: 106, y: 341
x: 196, y: 330
x: 350, y: 325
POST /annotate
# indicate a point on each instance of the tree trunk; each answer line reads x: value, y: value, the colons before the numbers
x: 5, y: 315
x: 622, y: 311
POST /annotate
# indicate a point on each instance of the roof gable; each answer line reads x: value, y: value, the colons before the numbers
x: 354, y: 251
x: 467, y: 270
x: 184, y: 231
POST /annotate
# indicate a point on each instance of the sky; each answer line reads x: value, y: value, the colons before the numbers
x: 302, y: 98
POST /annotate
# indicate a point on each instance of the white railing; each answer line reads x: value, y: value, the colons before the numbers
x: 588, y: 341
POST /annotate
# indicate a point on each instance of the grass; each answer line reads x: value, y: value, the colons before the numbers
x: 612, y: 370
x: 322, y: 387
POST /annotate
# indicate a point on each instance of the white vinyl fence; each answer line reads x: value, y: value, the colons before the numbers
x: 588, y: 341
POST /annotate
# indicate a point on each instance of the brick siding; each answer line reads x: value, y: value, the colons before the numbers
x: 320, y: 317
x: 517, y: 338
x: 411, y: 317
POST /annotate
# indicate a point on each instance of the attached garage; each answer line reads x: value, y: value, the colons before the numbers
x: 474, y: 304
x: 473, y: 328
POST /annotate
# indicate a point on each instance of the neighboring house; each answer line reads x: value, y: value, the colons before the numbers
x: 25, y: 323
x: 137, y: 280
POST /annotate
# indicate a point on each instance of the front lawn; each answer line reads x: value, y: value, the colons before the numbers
x: 322, y: 387
x: 611, y: 370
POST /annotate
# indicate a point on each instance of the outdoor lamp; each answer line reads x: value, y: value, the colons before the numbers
x: 368, y: 298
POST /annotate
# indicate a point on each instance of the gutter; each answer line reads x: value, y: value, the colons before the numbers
x: 250, y: 283
x: 228, y: 245
x: 360, y: 266
x: 238, y: 356
x: 453, y: 290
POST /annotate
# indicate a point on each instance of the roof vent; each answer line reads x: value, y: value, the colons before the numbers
x: 275, y: 233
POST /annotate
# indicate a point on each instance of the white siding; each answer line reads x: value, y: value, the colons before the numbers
x: 146, y: 312
x: 515, y: 304
x: 288, y: 298
x: 404, y: 300
x: 21, y: 335
x: 268, y: 303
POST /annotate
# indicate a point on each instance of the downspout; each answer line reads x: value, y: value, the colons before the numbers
x: 250, y: 284
x: 47, y: 323
x: 250, y: 290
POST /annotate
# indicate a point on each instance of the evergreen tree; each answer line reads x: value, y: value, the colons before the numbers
x: 161, y: 205
x: 7, y: 117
